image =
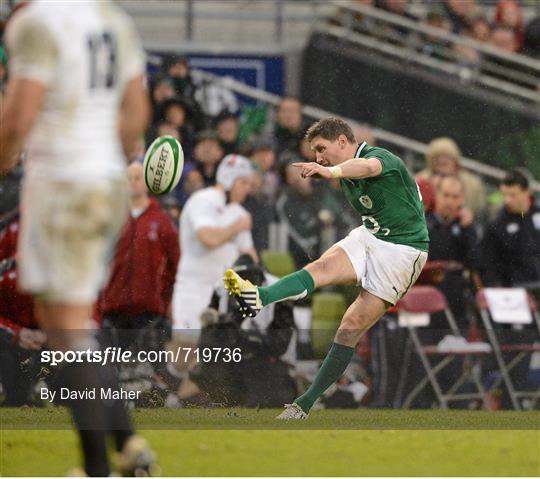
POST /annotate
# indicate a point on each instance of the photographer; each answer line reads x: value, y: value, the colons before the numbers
x: 262, y: 377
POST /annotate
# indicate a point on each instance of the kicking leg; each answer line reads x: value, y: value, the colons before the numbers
x: 359, y: 317
x: 333, y: 267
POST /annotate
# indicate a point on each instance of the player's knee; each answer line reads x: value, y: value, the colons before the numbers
x: 355, y: 321
x: 320, y: 272
x: 351, y: 329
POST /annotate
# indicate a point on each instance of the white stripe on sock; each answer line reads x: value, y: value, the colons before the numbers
x: 302, y: 295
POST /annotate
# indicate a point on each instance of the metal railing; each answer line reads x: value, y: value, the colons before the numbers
x: 196, y: 19
x: 485, y: 170
x: 508, y: 75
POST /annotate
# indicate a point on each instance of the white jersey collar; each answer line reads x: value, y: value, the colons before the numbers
x: 359, y: 150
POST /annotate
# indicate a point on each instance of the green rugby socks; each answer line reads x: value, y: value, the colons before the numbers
x: 293, y: 286
x: 332, y: 368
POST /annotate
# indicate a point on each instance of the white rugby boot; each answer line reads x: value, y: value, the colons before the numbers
x: 292, y: 411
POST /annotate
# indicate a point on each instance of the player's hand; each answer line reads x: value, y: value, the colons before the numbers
x: 313, y: 169
x: 466, y: 217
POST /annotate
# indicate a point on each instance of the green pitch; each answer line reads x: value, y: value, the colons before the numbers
x: 202, y: 442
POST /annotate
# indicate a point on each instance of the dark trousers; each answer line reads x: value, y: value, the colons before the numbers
x: 19, y: 369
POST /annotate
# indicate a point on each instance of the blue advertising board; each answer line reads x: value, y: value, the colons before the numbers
x: 259, y: 71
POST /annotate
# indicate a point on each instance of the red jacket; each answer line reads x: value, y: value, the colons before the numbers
x: 144, y: 267
x: 16, y: 309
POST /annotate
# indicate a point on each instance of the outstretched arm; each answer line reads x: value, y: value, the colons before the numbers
x: 355, y: 168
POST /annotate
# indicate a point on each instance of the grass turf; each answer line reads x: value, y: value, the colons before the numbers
x: 249, y: 442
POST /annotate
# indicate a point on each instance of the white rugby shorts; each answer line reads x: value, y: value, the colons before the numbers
x: 68, y: 234
x: 188, y: 303
x: 384, y: 269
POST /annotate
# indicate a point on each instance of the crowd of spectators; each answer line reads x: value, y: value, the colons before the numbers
x: 499, y: 25
x: 503, y: 26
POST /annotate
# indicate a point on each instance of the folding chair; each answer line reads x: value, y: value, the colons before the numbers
x: 522, y: 350
x: 420, y: 303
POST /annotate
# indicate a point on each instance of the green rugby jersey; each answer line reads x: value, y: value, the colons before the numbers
x: 390, y: 204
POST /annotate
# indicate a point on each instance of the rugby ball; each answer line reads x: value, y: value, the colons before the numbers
x: 163, y: 165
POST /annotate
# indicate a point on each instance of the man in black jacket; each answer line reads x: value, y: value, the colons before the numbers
x: 453, y: 241
x: 511, y: 246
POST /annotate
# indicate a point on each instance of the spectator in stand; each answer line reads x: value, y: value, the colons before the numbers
x: 177, y: 69
x: 298, y: 207
x: 139, y: 292
x: 162, y: 90
x: 458, y: 12
x: 398, y: 7
x: 509, y: 14
x: 435, y: 46
x: 504, y: 38
x: 401, y: 8
x: 531, y: 42
x: 208, y: 153
x: 442, y: 158
x: 511, y: 244
x: 355, y: 20
x: 261, y: 201
x: 191, y: 181
x: 453, y: 241
x: 166, y: 128
x: 20, y: 338
x: 306, y: 153
x: 289, y: 126
x: 264, y: 157
x: 177, y: 113
x: 227, y: 129
x: 477, y: 29
x: 173, y: 207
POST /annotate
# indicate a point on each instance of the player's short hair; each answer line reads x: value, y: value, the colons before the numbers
x: 330, y: 128
x: 515, y: 177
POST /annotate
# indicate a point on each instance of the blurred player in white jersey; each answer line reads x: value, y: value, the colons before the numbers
x: 214, y: 230
x: 76, y: 103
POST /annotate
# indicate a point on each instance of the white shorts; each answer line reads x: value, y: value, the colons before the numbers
x: 68, y: 234
x: 188, y: 303
x: 385, y: 269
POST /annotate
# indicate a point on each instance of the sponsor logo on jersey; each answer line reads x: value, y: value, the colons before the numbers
x: 366, y: 202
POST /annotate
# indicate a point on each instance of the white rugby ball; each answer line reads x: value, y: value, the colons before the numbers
x: 163, y: 164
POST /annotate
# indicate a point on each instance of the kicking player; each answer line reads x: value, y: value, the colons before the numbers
x: 76, y: 101
x: 385, y: 255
